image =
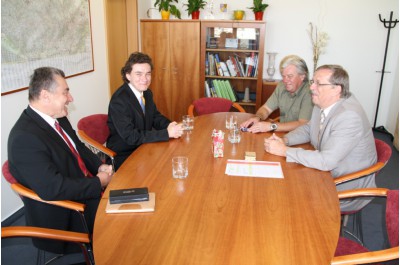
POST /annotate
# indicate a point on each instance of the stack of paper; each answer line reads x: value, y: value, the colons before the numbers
x: 262, y: 169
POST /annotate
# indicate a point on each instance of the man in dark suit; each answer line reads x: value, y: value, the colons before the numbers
x: 46, y: 155
x: 133, y: 117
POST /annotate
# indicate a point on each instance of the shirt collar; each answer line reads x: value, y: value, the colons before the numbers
x: 138, y: 94
x: 328, y: 109
x: 50, y: 120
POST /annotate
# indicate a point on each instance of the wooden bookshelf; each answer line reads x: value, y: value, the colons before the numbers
x: 245, y: 40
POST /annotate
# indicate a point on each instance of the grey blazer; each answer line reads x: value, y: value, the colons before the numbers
x: 345, y: 145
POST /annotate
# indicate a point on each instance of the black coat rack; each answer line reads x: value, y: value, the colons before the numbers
x: 389, y: 25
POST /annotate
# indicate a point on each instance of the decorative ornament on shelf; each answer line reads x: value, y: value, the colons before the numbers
x: 166, y: 7
x: 271, y: 65
x: 194, y: 6
x: 319, y: 41
x: 210, y: 10
x: 258, y: 9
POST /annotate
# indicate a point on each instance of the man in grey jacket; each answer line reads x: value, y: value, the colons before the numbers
x: 339, y: 131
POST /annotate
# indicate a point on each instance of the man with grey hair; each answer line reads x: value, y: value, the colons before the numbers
x: 292, y: 97
x: 339, y: 131
x: 46, y: 155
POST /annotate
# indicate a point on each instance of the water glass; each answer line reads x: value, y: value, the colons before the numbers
x: 188, y: 122
x: 180, y: 167
x: 234, y: 135
x: 230, y: 121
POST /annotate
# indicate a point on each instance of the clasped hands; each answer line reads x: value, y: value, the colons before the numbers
x: 105, y: 172
x: 175, y: 130
x: 275, y: 145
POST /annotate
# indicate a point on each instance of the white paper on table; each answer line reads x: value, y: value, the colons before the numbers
x: 262, y: 169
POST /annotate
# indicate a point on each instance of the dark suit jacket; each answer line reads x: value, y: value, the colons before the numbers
x: 129, y: 127
x: 40, y: 160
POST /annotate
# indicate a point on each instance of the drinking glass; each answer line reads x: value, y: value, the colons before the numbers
x: 180, y: 167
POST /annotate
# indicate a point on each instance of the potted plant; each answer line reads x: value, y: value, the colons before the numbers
x: 194, y: 6
x: 166, y: 7
x: 258, y: 9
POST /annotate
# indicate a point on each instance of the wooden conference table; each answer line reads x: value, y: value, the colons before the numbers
x: 212, y: 218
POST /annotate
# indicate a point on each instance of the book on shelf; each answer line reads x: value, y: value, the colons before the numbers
x: 207, y: 89
x: 211, y: 64
x: 218, y: 65
x: 224, y: 68
x: 229, y: 89
x: 231, y: 67
x: 239, y: 64
x: 217, y: 89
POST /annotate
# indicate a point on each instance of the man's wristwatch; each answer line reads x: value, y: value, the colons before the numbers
x: 273, y: 126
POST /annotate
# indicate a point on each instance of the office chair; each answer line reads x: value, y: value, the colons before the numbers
x: 24, y: 192
x: 350, y: 252
x: 204, y: 106
x: 384, y: 152
x: 93, y: 131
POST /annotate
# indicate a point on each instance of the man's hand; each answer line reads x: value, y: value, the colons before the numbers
x: 105, y: 172
x: 262, y: 126
x: 275, y: 145
x: 175, y: 130
x: 250, y: 121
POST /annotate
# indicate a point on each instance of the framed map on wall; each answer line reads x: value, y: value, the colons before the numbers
x: 53, y: 33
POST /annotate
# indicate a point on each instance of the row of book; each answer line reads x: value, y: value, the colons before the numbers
x: 220, y: 89
x: 235, y: 66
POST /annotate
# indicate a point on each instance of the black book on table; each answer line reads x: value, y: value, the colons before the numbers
x: 129, y: 195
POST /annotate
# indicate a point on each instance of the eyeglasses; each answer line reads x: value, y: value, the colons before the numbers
x: 318, y: 84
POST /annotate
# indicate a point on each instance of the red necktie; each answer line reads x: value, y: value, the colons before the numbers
x: 73, y: 150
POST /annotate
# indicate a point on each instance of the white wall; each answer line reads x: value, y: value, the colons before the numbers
x: 357, y: 42
x: 90, y: 92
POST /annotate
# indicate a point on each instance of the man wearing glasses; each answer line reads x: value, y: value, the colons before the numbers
x: 339, y: 130
x: 292, y: 97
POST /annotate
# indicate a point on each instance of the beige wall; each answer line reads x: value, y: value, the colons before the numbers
x: 90, y: 92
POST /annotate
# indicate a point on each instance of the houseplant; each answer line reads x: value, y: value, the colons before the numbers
x: 194, y: 6
x: 166, y: 7
x: 258, y: 9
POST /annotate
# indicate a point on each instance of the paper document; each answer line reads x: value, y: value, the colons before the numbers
x: 261, y: 169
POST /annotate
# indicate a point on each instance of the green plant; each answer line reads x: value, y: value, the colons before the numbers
x: 258, y: 6
x: 195, y: 5
x: 167, y: 5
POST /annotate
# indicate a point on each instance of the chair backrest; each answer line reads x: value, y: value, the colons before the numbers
x: 95, y: 126
x: 383, y: 151
x: 392, y: 217
x: 7, y: 174
x: 204, y: 106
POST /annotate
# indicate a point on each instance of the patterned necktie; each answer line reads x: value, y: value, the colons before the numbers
x: 143, y: 103
x: 322, y: 119
x: 73, y: 150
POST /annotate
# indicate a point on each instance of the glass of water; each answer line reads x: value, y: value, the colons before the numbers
x: 230, y: 121
x: 234, y: 135
x: 188, y: 122
x: 180, y: 167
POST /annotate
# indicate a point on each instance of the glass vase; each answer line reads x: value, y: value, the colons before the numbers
x: 271, y: 65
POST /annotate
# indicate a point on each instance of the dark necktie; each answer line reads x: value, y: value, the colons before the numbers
x: 73, y: 150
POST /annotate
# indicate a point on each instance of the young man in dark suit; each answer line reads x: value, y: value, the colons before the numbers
x: 133, y: 117
x: 46, y: 155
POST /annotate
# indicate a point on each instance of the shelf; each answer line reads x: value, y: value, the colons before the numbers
x: 229, y: 50
x: 231, y: 77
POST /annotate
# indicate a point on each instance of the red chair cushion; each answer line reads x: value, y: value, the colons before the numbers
x: 392, y: 217
x: 211, y: 105
x: 383, y: 151
x: 346, y: 247
x: 7, y: 174
x: 95, y: 126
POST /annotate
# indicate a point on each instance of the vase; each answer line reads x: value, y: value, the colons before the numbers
x: 271, y: 65
x: 259, y: 15
x: 165, y: 14
x: 196, y: 14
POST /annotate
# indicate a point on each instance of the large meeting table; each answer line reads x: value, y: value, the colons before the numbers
x: 212, y: 218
